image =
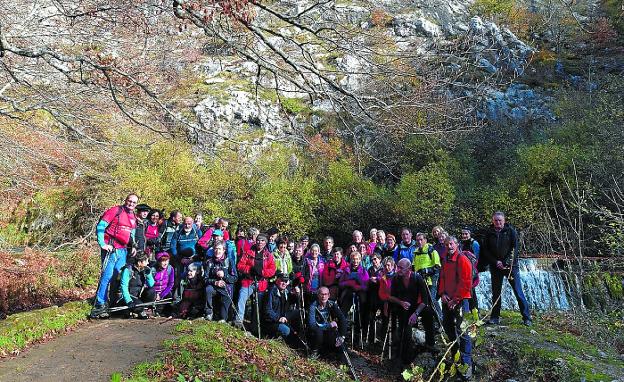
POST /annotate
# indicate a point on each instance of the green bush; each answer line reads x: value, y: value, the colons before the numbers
x: 425, y: 198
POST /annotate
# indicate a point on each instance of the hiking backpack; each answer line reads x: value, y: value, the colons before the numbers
x: 473, y: 265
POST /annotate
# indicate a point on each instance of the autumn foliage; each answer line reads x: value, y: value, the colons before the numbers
x: 36, y: 279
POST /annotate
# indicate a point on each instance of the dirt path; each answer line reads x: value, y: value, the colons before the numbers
x: 91, y: 353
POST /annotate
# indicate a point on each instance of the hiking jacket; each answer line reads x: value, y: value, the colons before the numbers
x: 248, y: 273
x: 441, y: 249
x: 139, y: 234
x: 332, y: 272
x: 183, y: 243
x: 385, y: 286
x: 282, y: 263
x: 320, y: 318
x: 501, y: 246
x: 230, y: 275
x: 152, y: 234
x: 166, y: 232
x: 415, y: 292
x: 456, y: 277
x: 406, y: 251
x: 385, y: 252
x: 118, y: 226
x: 308, y: 270
x: 355, y: 279
x: 133, y: 281
x: 163, y: 280
x: 427, y: 262
x: 277, y: 304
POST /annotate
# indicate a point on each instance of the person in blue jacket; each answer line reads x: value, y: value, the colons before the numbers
x: 183, y: 250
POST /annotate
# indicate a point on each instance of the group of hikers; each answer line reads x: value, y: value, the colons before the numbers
x: 311, y: 295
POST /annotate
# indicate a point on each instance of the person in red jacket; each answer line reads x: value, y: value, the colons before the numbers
x: 255, y: 267
x: 454, y: 291
x: 334, y: 268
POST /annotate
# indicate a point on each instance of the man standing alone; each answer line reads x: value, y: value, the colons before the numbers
x: 500, y: 250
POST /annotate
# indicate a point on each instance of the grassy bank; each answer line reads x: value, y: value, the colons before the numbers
x: 559, y: 347
x: 209, y: 351
x: 21, y: 329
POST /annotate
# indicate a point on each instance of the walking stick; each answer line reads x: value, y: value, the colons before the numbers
x: 352, y: 321
x: 444, y: 335
x: 141, y: 305
x: 257, y: 303
x: 388, y: 335
x: 302, y: 317
x: 359, y: 316
x: 348, y: 359
x: 344, y: 349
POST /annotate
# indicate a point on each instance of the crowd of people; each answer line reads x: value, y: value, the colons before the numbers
x: 312, y: 295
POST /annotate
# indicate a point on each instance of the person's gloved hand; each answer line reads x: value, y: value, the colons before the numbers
x: 147, y: 271
x: 339, y: 341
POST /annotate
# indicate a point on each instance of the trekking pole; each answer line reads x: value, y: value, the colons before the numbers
x: 444, y: 335
x: 234, y: 307
x: 257, y: 303
x: 348, y: 359
x: 352, y: 311
x: 359, y: 317
x: 388, y: 334
x: 302, y: 317
x: 141, y: 305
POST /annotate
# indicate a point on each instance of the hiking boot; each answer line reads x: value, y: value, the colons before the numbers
x: 99, y: 311
x: 239, y: 325
x: 528, y: 322
x: 208, y: 316
x: 467, y: 375
x: 314, y: 354
x: 143, y: 315
x: 493, y: 321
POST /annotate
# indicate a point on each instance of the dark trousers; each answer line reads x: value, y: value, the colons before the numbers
x: 323, y: 339
x: 405, y: 330
x: 452, y: 326
x: 516, y: 286
x: 191, y: 298
x: 347, y: 298
x: 222, y: 298
x: 148, y: 295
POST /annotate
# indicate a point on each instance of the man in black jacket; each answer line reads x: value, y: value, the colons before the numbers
x: 278, y: 317
x: 500, y: 250
x: 327, y: 325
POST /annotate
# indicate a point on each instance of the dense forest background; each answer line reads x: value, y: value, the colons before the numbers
x: 414, y: 143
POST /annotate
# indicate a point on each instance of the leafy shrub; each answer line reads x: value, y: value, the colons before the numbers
x: 36, y: 279
x: 426, y: 197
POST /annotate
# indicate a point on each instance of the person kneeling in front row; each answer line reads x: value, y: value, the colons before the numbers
x: 327, y: 324
x: 137, y: 285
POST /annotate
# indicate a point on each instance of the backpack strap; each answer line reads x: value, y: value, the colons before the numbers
x: 430, y: 250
